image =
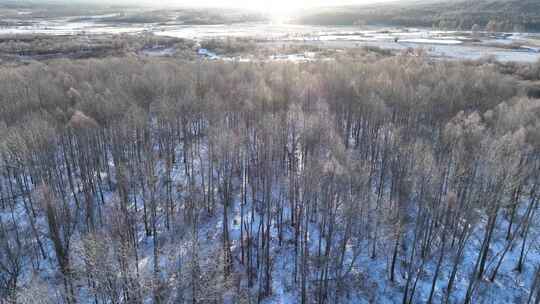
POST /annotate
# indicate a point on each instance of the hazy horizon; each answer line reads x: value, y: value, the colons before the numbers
x: 241, y: 3
x: 275, y: 6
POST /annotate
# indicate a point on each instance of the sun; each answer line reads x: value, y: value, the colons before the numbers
x: 278, y: 10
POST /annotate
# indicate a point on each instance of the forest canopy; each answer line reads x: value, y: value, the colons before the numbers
x: 129, y: 180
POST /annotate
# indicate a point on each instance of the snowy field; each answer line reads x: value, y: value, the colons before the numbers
x: 443, y: 44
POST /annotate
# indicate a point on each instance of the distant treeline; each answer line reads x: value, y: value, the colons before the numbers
x: 515, y: 15
x: 14, y: 47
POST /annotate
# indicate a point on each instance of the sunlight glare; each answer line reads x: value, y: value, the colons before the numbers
x: 279, y: 10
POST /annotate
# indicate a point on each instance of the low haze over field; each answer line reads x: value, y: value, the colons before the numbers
x: 245, y: 3
x: 265, y: 6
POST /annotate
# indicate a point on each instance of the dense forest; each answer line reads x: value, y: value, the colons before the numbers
x: 366, y: 180
x: 509, y: 15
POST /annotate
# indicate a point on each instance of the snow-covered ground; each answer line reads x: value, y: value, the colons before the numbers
x: 456, y: 44
x: 373, y: 285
